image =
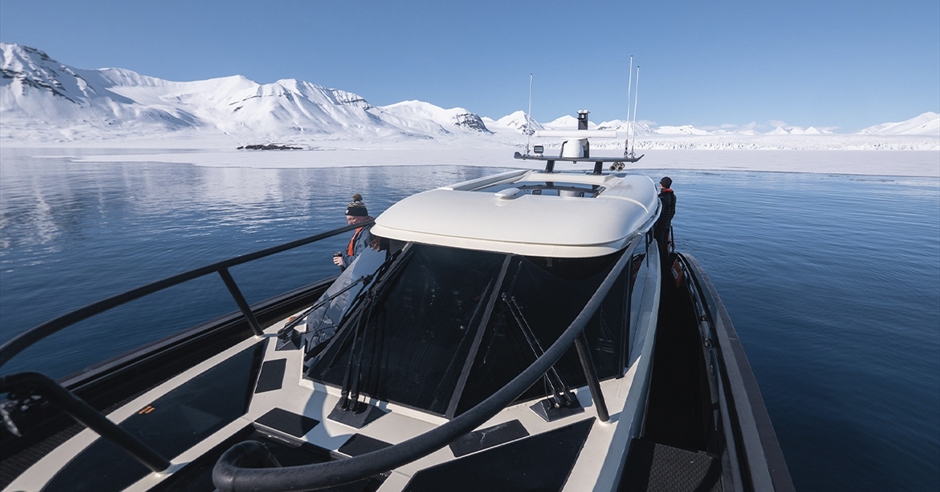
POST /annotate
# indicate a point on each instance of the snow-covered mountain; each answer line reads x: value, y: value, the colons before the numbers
x: 620, y: 126
x: 48, y: 93
x: 516, y: 122
x: 37, y: 92
x: 924, y: 124
x: 431, y: 119
x: 43, y: 100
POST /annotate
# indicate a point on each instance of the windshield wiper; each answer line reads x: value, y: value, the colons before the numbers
x: 354, y: 307
x: 282, y: 333
x: 561, y: 394
x: 388, y: 269
x: 359, y: 322
x: 349, y: 399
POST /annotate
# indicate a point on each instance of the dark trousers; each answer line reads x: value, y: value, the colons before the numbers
x: 661, y: 234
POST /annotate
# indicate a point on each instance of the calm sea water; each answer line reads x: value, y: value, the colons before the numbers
x: 833, y: 282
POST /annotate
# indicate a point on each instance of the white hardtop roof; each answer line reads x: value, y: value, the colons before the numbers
x: 527, y: 224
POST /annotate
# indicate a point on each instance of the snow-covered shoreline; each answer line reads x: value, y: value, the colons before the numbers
x: 209, y: 140
x: 849, y: 162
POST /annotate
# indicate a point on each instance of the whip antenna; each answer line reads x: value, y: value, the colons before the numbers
x: 528, y: 118
x: 636, y: 96
x: 626, y: 146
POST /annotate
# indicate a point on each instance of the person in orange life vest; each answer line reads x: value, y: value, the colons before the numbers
x: 356, y: 212
x: 661, y: 228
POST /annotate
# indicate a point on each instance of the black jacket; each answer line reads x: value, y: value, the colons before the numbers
x: 669, y: 204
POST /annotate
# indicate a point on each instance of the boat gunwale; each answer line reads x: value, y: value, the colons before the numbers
x: 157, y: 360
x: 100, y: 384
x: 752, y: 430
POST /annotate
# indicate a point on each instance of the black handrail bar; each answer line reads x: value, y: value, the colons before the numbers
x: 590, y: 373
x: 33, y: 335
x: 241, y: 302
x: 85, y: 414
x: 228, y: 475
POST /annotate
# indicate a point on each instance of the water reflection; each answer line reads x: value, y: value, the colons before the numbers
x: 833, y: 282
x: 74, y: 233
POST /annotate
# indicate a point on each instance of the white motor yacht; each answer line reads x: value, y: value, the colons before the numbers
x: 514, y: 332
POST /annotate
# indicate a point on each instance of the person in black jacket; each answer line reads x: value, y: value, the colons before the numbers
x: 661, y: 228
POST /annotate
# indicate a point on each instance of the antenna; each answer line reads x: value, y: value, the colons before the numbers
x: 528, y: 118
x: 629, y: 85
x: 636, y: 96
x: 629, y: 82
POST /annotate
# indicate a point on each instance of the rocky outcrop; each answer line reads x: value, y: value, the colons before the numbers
x: 470, y: 121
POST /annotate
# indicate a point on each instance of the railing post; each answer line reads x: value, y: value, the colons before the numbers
x: 590, y: 373
x: 86, y: 415
x: 240, y: 300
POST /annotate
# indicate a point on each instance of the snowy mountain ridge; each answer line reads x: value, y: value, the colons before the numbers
x: 43, y: 100
x: 53, y: 99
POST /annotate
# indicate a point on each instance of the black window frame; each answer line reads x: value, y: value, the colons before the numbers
x: 615, y: 307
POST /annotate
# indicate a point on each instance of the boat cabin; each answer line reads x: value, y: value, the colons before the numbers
x: 478, y: 279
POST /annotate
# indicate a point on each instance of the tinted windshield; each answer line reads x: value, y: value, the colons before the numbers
x: 438, y: 335
x: 546, y: 295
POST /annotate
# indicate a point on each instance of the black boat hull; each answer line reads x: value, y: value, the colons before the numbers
x: 707, y: 427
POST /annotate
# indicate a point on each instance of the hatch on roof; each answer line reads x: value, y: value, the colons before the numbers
x: 548, y: 188
x: 577, y: 216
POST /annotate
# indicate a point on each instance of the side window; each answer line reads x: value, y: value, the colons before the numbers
x: 323, y: 321
x: 411, y: 343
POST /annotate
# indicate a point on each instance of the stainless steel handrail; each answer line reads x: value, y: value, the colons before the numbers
x: 84, y: 414
x: 80, y: 410
x: 26, y: 339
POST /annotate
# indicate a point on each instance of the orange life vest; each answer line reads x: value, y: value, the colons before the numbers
x: 351, y: 249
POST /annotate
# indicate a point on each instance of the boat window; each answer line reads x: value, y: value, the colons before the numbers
x: 441, y: 327
x: 546, y: 294
x: 329, y: 309
x: 416, y: 337
x: 550, y: 188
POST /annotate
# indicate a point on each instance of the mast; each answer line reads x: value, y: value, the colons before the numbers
x: 636, y: 96
x: 629, y: 87
x: 528, y: 118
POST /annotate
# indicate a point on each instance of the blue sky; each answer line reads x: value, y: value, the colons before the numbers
x: 844, y: 64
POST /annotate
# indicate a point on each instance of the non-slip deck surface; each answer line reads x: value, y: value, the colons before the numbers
x: 657, y: 467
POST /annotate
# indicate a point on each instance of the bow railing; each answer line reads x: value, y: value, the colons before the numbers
x: 30, y: 337
x: 238, y: 468
x: 32, y: 383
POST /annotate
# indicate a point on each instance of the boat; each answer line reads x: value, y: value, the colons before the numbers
x: 519, y: 331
